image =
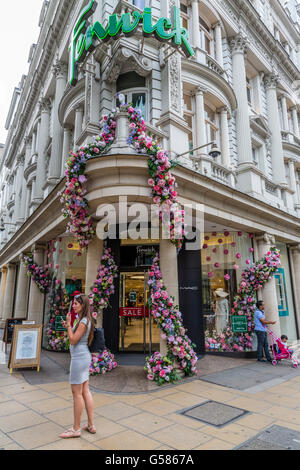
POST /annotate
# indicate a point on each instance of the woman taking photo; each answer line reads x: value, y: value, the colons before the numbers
x: 81, y: 336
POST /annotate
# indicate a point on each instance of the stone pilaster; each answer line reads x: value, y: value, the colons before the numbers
x: 36, y: 298
x: 94, y: 256
x: 269, y: 295
x: 284, y: 113
x: 218, y: 41
x: 19, y: 215
x: 2, y: 292
x: 295, y: 271
x: 66, y: 148
x: 22, y: 291
x: 42, y: 140
x: 9, y: 292
x: 169, y: 270
x: 238, y: 47
x: 295, y: 122
x: 78, y: 124
x: 225, y: 147
x: 271, y: 82
x: 60, y: 71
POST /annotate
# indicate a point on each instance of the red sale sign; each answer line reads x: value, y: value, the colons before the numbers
x: 137, y: 312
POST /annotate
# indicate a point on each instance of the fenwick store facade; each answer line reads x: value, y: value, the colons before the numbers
x: 114, y: 53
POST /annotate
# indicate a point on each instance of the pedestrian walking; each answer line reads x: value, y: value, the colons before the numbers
x: 80, y: 336
x: 261, y: 332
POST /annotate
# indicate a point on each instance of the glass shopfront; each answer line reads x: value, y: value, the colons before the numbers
x: 137, y: 330
x: 224, y: 256
x: 285, y: 295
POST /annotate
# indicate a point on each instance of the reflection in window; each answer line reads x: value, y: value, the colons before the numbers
x: 139, y: 4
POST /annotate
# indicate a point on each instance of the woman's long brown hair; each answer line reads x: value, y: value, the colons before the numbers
x: 86, y: 313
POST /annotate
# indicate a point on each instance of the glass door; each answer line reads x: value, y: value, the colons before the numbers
x: 138, y: 331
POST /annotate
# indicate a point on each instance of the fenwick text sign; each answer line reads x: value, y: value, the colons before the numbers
x: 86, y: 36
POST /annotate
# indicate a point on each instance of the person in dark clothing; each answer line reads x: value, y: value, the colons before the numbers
x: 261, y: 332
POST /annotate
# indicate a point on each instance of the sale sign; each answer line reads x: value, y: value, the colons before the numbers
x: 137, y: 312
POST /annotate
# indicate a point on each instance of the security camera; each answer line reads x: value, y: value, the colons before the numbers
x: 215, y: 151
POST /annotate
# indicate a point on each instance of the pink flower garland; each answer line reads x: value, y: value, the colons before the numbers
x: 102, y: 289
x: 244, y: 303
x: 41, y: 276
x: 103, y: 286
x: 169, y: 320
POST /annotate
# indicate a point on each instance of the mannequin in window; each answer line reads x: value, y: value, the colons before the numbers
x: 221, y: 309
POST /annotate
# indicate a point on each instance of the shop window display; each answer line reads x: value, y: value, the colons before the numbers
x: 284, y: 295
x: 224, y: 256
x: 68, y: 265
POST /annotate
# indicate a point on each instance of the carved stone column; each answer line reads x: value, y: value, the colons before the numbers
x: 238, y: 47
x: 36, y: 298
x: 78, y: 125
x: 22, y: 291
x: 296, y: 122
x: 196, y: 27
x: 19, y: 215
x: 60, y: 70
x: 225, y: 147
x: 219, y: 46
x: 295, y: 270
x: 66, y: 148
x: 9, y: 292
x: 284, y: 113
x: 269, y: 295
x: 2, y: 290
x: 271, y: 82
x: 293, y: 184
x: 94, y: 256
x: 169, y: 270
x: 43, y: 134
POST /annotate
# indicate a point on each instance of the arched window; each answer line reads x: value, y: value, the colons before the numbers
x: 133, y: 87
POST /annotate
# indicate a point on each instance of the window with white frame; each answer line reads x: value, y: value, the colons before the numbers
x: 189, y: 116
x: 212, y: 124
x: 207, y: 37
x: 133, y: 87
x: 249, y: 91
x: 184, y: 14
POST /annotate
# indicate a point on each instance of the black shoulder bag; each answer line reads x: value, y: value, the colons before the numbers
x: 98, y: 343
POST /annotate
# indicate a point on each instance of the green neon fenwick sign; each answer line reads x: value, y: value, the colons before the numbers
x: 86, y: 36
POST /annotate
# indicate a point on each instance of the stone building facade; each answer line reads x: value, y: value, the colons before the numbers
x: 240, y: 91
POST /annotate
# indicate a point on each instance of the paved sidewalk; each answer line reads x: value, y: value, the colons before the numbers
x: 254, y: 406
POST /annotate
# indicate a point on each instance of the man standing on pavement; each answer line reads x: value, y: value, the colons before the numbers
x: 261, y: 332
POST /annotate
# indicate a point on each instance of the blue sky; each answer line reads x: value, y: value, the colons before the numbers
x: 19, y: 30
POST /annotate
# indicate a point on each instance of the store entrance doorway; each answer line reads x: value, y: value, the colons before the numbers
x: 138, y: 331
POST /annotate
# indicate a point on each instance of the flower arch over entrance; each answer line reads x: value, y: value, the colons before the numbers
x: 161, y: 180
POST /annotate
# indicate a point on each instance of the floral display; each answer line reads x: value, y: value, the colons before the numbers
x: 169, y: 320
x: 41, y: 276
x: 252, y: 279
x: 101, y: 291
x: 103, y: 286
x: 160, y: 369
x: 58, y: 307
x: 161, y: 181
x: 102, y: 363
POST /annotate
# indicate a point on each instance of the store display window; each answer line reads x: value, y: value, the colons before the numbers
x: 224, y: 257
